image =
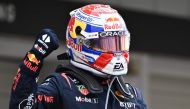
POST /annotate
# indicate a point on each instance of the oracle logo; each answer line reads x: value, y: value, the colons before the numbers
x: 112, y: 33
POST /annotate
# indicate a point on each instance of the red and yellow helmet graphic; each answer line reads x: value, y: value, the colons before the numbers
x: 73, y: 24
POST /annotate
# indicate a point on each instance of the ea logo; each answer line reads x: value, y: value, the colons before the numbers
x: 118, y: 67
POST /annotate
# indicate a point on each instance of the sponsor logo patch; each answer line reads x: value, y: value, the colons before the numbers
x: 46, y: 38
x: 29, y: 63
x: 112, y: 33
x: 83, y: 17
x: 86, y: 100
x: 127, y: 105
x: 27, y: 103
x: 113, y: 26
x: 47, y: 99
x: 30, y: 66
x: 83, y: 89
x: 118, y: 67
x: 16, y: 79
x: 32, y: 58
x: 76, y: 47
x: 112, y: 19
x: 39, y: 49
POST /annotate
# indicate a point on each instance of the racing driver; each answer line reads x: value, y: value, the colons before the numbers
x: 98, y: 53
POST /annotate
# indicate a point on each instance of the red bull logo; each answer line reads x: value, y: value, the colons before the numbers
x: 32, y: 58
x: 16, y: 80
x: 71, y: 43
x: 114, y: 26
x: 112, y: 19
x: 30, y: 66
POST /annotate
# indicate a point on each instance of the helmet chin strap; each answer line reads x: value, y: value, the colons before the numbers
x: 108, y: 92
x: 121, y: 86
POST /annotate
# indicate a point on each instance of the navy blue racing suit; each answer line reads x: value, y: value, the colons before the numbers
x: 62, y: 91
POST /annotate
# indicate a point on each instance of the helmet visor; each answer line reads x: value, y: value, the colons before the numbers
x: 109, y: 41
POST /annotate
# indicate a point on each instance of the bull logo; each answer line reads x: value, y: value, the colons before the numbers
x: 112, y: 19
x: 32, y: 58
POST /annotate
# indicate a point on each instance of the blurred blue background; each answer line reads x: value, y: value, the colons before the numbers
x: 159, y: 52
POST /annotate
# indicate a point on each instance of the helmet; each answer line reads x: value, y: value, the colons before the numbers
x: 98, y: 40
